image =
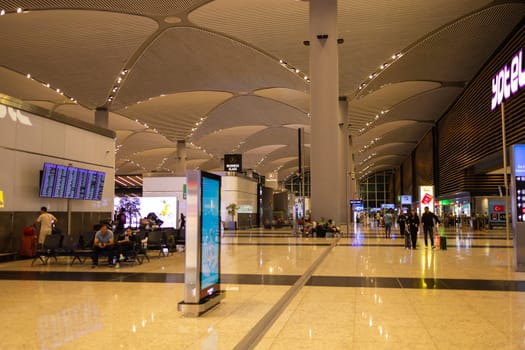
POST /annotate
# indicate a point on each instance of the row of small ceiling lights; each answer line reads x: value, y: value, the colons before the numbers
x: 382, y: 67
x: 367, y: 158
x: 294, y: 70
x: 117, y: 84
x: 370, y: 144
x: 28, y: 75
x: 18, y: 10
x: 372, y: 76
x: 370, y: 123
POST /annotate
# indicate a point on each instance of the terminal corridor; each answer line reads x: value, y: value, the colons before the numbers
x: 283, y: 291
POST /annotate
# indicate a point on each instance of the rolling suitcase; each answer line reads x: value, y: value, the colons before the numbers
x: 28, y: 242
x: 443, y: 243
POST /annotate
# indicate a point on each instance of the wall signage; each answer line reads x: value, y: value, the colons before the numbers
x: 233, y: 162
x: 508, y: 81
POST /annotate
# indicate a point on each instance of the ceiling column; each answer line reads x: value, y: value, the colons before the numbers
x: 327, y: 152
x: 180, y: 164
x: 102, y: 117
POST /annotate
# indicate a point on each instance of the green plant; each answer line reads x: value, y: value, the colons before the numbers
x: 232, y: 210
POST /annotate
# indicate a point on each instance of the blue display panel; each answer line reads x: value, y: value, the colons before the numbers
x: 80, y: 187
x: 48, y: 180
x: 210, y: 234
x: 99, y: 188
x: 71, y: 182
x: 60, y: 181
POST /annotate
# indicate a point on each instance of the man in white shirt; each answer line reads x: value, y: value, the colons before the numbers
x: 46, y: 221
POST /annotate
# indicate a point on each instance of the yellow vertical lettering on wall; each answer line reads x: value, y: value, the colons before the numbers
x: 1, y: 199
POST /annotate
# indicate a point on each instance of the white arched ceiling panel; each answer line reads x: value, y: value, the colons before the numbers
x: 17, y: 84
x: 212, y: 165
x: 191, y: 59
x: 472, y: 40
x: 378, y: 131
x: 256, y: 155
x: 141, y: 141
x: 154, y: 158
x: 77, y: 51
x: 129, y: 168
x: 176, y: 115
x: 225, y: 141
x: 271, y: 136
x: 428, y: 106
x: 374, y: 106
x: 250, y: 110
x: 375, y: 30
x: 294, y: 98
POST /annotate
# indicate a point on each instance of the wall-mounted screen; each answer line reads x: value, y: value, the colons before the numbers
x: 210, y: 234
x: 47, y: 182
x: 61, y: 181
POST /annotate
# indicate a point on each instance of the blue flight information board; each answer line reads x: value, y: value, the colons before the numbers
x: 210, y: 234
x: 61, y: 181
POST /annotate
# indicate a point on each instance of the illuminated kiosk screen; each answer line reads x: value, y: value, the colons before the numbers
x: 519, y: 173
x: 210, y: 234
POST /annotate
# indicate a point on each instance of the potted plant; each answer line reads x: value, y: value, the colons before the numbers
x: 232, y: 210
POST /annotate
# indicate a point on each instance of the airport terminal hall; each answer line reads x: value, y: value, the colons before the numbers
x: 262, y: 174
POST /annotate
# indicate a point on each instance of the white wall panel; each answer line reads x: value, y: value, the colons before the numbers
x: 27, y: 141
x: 7, y: 177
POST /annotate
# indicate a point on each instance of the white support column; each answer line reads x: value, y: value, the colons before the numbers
x: 326, y: 146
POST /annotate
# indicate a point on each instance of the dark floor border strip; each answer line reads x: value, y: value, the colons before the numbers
x: 317, y: 244
x: 451, y: 246
x: 418, y: 283
x: 274, y: 280
x: 69, y: 276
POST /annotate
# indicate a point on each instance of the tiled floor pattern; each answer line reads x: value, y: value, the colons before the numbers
x: 367, y: 293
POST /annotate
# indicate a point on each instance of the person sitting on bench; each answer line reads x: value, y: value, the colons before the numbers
x: 103, y: 245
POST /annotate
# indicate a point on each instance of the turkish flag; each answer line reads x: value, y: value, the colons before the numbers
x: 498, y: 208
x: 427, y: 198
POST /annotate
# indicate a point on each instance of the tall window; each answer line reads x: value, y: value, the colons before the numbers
x: 375, y: 190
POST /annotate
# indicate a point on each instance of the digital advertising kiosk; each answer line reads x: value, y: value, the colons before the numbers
x: 518, y: 204
x: 203, y: 244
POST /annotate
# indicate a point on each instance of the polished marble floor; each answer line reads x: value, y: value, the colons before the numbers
x: 283, y: 291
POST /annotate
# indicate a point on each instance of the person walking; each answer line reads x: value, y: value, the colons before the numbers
x: 428, y: 219
x: 401, y: 221
x: 388, y: 217
x: 413, y: 226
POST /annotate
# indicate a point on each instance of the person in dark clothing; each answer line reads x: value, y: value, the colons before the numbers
x: 413, y: 226
x: 182, y: 222
x: 428, y: 225
x: 401, y: 220
x: 120, y: 221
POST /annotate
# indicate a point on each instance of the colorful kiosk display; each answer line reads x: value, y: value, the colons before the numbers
x: 518, y: 204
x: 203, y: 242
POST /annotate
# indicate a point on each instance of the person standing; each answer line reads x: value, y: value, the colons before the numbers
x: 413, y: 226
x: 182, y: 222
x: 120, y: 221
x: 46, y: 221
x: 428, y: 226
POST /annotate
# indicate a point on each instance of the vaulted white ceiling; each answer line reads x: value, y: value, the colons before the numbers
x: 212, y: 73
